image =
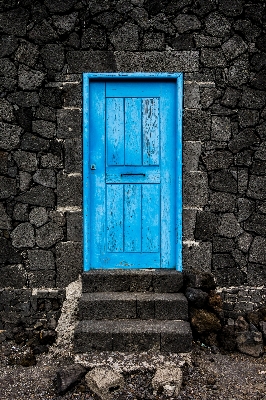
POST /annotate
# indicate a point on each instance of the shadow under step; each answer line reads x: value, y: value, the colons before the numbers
x: 133, y: 335
x: 123, y: 305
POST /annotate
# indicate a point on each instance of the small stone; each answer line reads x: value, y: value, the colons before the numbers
x: 104, y: 381
x: 48, y: 234
x: 53, y: 56
x: 64, y: 23
x: 38, y: 216
x: 33, y: 143
x: 126, y: 37
x: 58, y: 217
x: 39, y: 196
x: 257, y: 250
x: 206, y: 225
x: 69, y: 377
x: 10, y: 136
x: 168, y: 378
x: 6, y: 111
x: 223, y: 181
x: 27, y: 53
x: 23, y: 235
x: 222, y: 202
x: 29, y: 79
x: 244, y: 241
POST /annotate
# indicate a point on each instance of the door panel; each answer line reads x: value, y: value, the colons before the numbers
x: 132, y: 180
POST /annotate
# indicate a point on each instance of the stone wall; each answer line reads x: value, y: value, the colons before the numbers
x: 44, y: 48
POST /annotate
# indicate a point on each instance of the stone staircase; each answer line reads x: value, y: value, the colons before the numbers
x: 132, y: 310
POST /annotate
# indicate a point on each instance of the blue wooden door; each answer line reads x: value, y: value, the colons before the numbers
x: 132, y: 174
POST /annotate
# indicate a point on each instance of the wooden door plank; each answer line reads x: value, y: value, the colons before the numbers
x: 114, y: 218
x: 115, y: 141
x: 132, y: 217
x: 133, y: 142
x: 151, y: 218
x: 151, y: 142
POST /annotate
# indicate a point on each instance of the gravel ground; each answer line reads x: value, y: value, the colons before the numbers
x: 209, y: 375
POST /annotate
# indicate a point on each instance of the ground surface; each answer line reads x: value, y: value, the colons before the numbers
x: 210, y: 375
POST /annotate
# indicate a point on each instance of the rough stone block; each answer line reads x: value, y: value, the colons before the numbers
x: 29, y: 79
x: 256, y: 274
x: 13, y: 276
x: 221, y: 128
x: 211, y: 58
x: 229, y: 226
x: 197, y: 256
x: 41, y: 260
x: 44, y: 128
x: 191, y: 95
x: 250, y: 343
x: 74, y: 226
x: 222, y: 245
x: 195, y: 192
x: 223, y: 181
x: 38, y: 196
x: 42, y: 33
x: 189, y: 221
x: 104, y: 381
x: 234, y: 47
x: 40, y: 279
x: 68, y: 262
x: 3, y: 162
x: 23, y: 235
x: 90, y: 61
x: 7, y: 187
x: 257, y: 187
x: 126, y: 37
x: 206, y: 225
x: 8, y: 252
x: 10, y: 136
x: 24, y: 181
x: 5, y: 220
x: 145, y: 307
x: 68, y: 124
x: 153, y: 41
x: 176, y: 340
x: 51, y: 97
x: 38, y: 216
x: 71, y: 95
x: 218, y: 160
x: 45, y: 177
x: 6, y: 111
x: 34, y: 143
x: 256, y: 223
x: 248, y: 118
x: 8, y: 45
x: 183, y: 42
x: 169, y: 61
x: 24, y: 99
x: 69, y: 190
x: 191, y: 154
x: 257, y: 253
x: 48, y: 234
x: 21, y: 212
x: 46, y: 113
x: 73, y: 155
x: 231, y: 97
x: 51, y: 161
x: 27, y: 53
x: 244, y: 241
x: 197, y: 125
x: 244, y: 139
x: 217, y: 25
x: 185, y: 23
x: 252, y: 98
x: 53, y: 56
x: 25, y: 160
x: 94, y: 37
x: 231, y: 8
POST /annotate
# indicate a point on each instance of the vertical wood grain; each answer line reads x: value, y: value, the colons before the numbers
x: 151, y: 142
x: 132, y: 215
x: 133, y: 150
x: 115, y: 140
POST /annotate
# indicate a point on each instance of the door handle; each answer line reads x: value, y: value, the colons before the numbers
x: 132, y: 174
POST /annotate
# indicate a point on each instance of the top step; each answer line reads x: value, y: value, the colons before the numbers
x: 120, y: 280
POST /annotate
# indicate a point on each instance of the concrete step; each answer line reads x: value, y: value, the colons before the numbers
x: 118, y: 280
x: 123, y: 305
x: 133, y: 335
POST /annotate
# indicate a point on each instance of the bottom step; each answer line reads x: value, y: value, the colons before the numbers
x: 133, y: 335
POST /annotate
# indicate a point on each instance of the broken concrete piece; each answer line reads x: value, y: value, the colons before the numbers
x: 169, y: 379
x: 104, y: 381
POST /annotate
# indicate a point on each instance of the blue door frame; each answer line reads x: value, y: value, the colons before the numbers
x: 177, y: 78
